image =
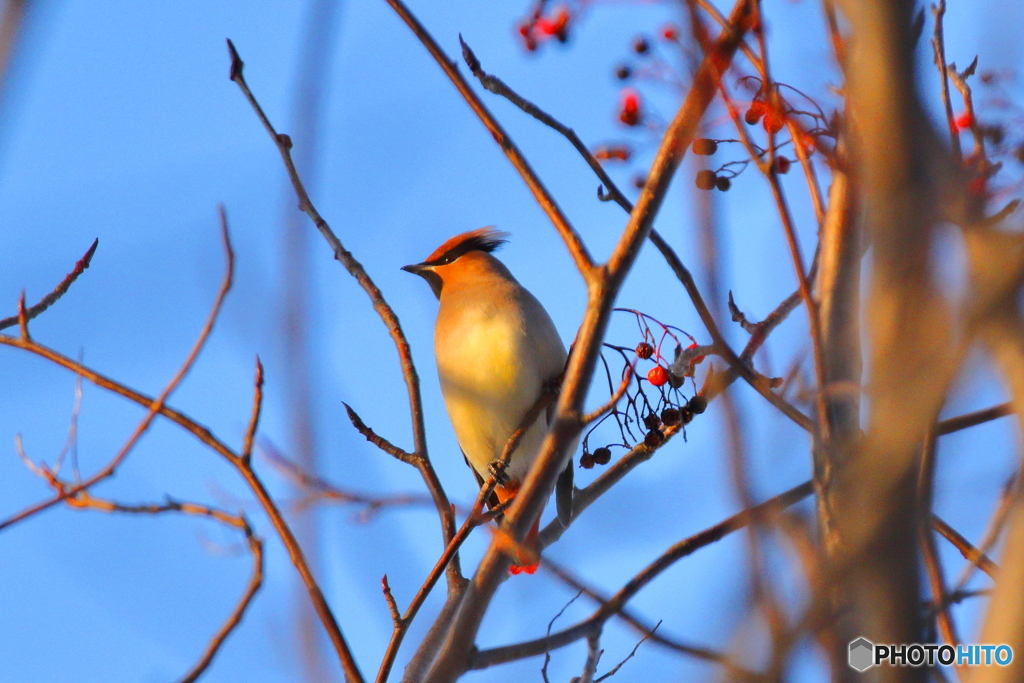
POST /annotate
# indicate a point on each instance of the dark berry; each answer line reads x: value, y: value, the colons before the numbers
x: 671, y: 417
x: 698, y: 404
x: 652, y: 421
x: 782, y: 165
x: 602, y: 456
x: 587, y: 461
x: 706, y: 180
x: 623, y: 72
x: 654, y: 439
x: 644, y: 350
x: 641, y: 46
x: 723, y: 183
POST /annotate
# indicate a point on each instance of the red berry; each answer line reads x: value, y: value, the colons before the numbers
x: 964, y: 121
x: 669, y: 32
x: 772, y: 122
x: 629, y: 108
x: 657, y: 376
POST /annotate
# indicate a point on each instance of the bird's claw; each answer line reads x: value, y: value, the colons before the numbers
x: 496, y: 469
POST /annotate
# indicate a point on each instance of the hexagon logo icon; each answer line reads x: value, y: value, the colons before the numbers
x: 862, y: 654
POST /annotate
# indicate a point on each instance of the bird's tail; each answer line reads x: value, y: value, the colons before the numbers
x: 528, y: 557
x: 526, y: 554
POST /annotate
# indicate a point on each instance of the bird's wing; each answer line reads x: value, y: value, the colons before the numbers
x: 564, y: 487
x: 563, y: 494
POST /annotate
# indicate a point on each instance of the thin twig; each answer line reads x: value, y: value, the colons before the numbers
x: 57, y: 292
x: 975, y: 556
x: 266, y: 501
x: 939, y: 48
x: 499, y: 87
x: 86, y: 500
x: 473, y: 520
x: 955, y: 424
x: 499, y: 655
x: 630, y: 656
x: 638, y: 624
x: 154, y: 406
x: 380, y: 305
x: 378, y: 440
x: 577, y: 249
x: 254, y: 418
x: 929, y: 552
x: 396, y: 616
x: 318, y: 488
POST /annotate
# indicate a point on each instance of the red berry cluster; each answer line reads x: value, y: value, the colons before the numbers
x: 539, y: 28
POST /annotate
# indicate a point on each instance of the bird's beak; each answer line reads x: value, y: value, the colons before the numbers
x: 416, y: 269
x: 427, y: 273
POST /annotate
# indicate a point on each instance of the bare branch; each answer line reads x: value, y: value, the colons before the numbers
x: 380, y: 305
x: 377, y: 440
x: 154, y: 406
x: 58, y: 291
x: 955, y: 424
x: 975, y: 556
x: 592, y: 625
x: 580, y: 255
x: 254, y: 419
x: 396, y: 616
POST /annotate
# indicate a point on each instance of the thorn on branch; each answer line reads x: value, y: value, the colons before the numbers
x: 236, y: 62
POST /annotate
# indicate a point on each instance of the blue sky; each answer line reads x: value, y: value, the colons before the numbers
x: 121, y: 124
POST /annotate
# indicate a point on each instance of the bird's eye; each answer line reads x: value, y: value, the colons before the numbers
x: 445, y: 260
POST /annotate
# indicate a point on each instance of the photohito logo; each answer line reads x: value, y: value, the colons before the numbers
x: 864, y: 654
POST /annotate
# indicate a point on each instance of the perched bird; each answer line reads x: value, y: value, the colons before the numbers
x: 496, y: 349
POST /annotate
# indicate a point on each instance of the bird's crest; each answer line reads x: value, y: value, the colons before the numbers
x: 482, y: 239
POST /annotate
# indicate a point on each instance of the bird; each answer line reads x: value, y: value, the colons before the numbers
x: 497, y: 351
